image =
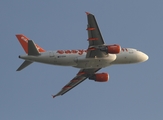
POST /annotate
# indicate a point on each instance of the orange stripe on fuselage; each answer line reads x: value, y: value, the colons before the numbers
x: 80, y: 52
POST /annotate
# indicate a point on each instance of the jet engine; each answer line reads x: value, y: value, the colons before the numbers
x: 112, y: 49
x: 100, y: 77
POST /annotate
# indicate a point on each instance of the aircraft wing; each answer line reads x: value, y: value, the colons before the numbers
x: 80, y: 77
x: 94, y: 37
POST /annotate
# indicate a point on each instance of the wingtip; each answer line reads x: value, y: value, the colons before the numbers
x: 87, y: 13
x: 53, y: 96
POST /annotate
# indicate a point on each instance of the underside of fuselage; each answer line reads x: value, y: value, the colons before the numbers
x: 95, y: 62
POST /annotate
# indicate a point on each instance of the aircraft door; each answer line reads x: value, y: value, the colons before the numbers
x: 52, y: 57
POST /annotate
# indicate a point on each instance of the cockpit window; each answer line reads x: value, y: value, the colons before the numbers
x: 124, y: 49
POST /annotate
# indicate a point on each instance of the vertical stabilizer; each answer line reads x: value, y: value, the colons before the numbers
x: 30, y: 48
x: 24, y: 43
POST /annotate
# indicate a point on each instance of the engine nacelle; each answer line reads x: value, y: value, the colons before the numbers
x: 112, y: 49
x: 100, y: 77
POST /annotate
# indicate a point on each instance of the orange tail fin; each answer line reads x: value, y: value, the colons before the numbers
x: 24, y: 42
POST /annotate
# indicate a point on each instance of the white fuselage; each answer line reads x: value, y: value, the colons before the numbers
x: 77, y: 58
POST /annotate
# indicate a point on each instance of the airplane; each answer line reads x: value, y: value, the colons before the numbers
x: 98, y: 55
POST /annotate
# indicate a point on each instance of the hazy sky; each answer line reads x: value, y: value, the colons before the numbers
x: 134, y: 92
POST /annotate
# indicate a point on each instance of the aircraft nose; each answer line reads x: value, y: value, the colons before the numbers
x: 142, y: 57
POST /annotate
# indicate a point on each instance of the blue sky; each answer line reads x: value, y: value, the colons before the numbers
x: 133, y: 91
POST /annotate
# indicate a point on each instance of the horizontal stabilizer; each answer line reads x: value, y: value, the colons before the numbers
x: 23, y: 65
x: 32, y: 50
